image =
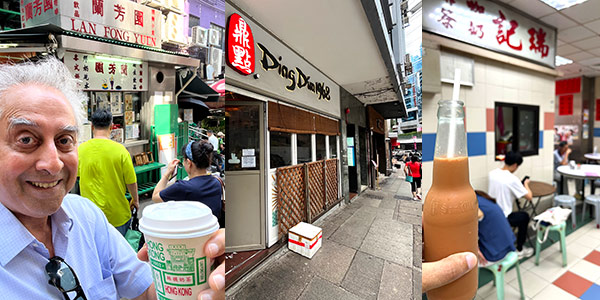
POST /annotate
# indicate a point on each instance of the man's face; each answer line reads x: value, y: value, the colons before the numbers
x: 38, y: 149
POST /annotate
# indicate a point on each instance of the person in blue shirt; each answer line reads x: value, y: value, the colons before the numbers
x: 496, y: 238
x: 201, y: 186
x: 47, y: 233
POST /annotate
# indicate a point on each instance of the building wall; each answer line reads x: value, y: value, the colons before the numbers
x: 357, y: 117
x: 209, y: 11
x: 494, y: 81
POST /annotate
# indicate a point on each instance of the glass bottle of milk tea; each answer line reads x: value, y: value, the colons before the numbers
x: 450, y: 209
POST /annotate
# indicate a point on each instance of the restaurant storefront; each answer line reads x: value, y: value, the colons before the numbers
x: 507, y: 85
x: 116, y: 49
x: 283, y: 118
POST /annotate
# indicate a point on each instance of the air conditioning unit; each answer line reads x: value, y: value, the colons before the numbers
x: 404, y: 5
x: 216, y: 59
x: 214, y: 37
x: 199, y: 36
x: 154, y: 3
x: 176, y: 5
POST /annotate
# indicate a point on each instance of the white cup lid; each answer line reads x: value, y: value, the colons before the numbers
x: 178, y: 220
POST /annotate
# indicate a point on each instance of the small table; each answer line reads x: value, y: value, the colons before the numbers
x: 592, y: 156
x: 538, y: 189
x: 584, y: 171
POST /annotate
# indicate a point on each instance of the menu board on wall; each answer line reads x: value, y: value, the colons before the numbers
x: 491, y: 26
x: 101, y: 72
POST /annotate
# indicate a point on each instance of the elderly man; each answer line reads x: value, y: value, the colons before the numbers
x: 47, y: 233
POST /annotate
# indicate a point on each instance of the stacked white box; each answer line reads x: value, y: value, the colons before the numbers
x: 305, y: 239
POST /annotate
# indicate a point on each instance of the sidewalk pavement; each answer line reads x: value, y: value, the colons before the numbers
x: 371, y: 250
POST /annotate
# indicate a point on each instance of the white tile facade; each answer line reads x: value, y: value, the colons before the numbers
x: 496, y: 82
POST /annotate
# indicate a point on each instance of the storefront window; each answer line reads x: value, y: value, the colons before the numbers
x: 304, y: 148
x: 517, y: 129
x: 332, y: 146
x: 281, y: 149
x: 125, y: 108
x: 321, y: 151
x: 243, y: 137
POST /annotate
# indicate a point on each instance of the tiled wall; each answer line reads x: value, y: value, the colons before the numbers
x: 494, y: 82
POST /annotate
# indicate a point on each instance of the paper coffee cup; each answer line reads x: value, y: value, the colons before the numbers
x: 176, y: 232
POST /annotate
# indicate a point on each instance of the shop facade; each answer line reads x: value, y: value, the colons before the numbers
x: 507, y: 85
x: 115, y: 49
x: 283, y: 119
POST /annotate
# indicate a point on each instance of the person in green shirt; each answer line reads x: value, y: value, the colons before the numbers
x: 105, y: 169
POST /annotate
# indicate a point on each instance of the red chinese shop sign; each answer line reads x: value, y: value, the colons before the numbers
x: 240, y: 45
x: 491, y: 26
x: 121, y: 20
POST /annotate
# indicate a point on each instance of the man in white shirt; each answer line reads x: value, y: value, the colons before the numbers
x: 505, y: 187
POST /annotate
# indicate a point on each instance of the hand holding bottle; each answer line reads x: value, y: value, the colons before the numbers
x: 447, y: 270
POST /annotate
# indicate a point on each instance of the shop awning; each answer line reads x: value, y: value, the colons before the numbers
x: 197, y: 88
x: 48, y: 37
x: 201, y: 110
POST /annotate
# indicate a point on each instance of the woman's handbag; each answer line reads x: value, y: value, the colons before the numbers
x: 133, y: 236
x: 409, y: 177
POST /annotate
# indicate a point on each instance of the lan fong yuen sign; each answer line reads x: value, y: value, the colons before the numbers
x: 242, y: 57
x: 120, y: 20
x: 491, y: 26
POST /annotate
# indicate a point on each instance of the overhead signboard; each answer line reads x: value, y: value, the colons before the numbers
x: 280, y: 72
x: 491, y: 26
x: 107, y: 73
x: 240, y: 45
x: 120, y: 20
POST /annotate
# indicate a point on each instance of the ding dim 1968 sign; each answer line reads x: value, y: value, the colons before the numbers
x: 240, y: 45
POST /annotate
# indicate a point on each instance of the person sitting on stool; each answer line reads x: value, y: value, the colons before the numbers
x: 505, y: 187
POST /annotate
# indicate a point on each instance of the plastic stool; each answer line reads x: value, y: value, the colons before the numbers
x: 566, y: 200
x: 561, y: 228
x: 595, y: 201
x: 500, y: 268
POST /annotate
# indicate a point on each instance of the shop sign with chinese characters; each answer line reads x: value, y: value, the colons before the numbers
x: 108, y: 74
x: 491, y: 26
x: 259, y: 61
x: 240, y: 45
x: 120, y: 20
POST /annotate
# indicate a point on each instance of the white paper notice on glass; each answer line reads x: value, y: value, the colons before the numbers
x: 248, y: 161
x: 247, y: 152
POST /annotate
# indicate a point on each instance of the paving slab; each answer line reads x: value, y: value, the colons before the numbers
x: 396, y: 282
x: 285, y: 278
x: 417, y: 284
x: 320, y: 289
x: 389, y: 203
x: 352, y: 232
x: 331, y: 262
x: 364, y: 275
x: 390, y: 240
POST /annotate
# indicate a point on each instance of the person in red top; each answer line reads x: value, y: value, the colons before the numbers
x: 413, y: 168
